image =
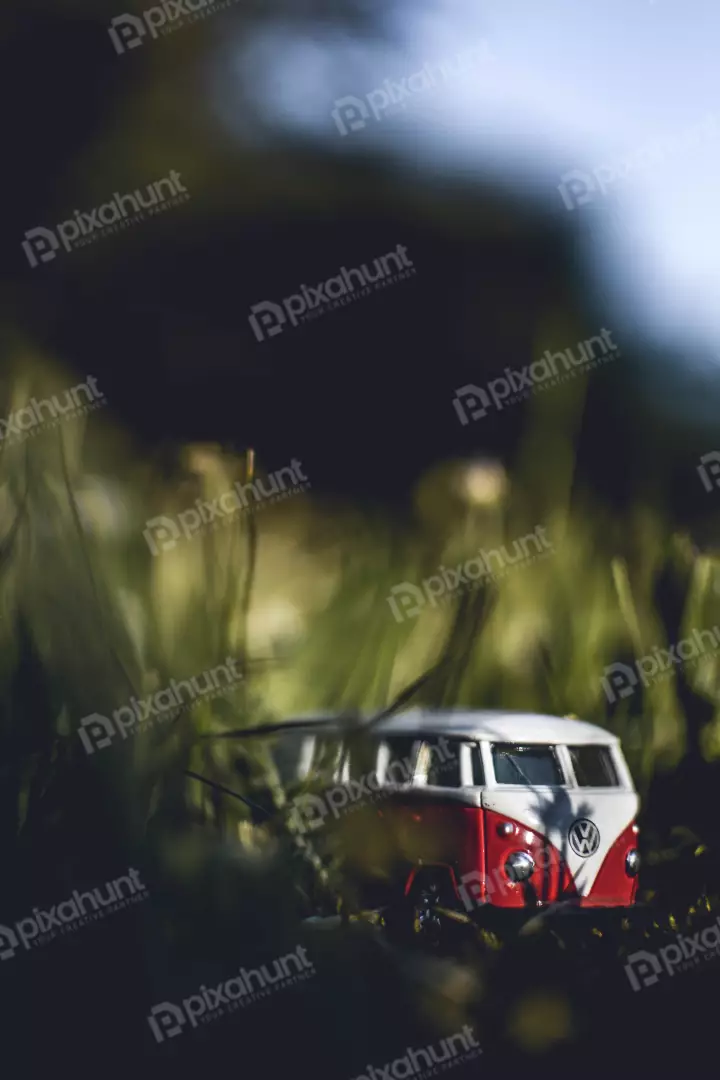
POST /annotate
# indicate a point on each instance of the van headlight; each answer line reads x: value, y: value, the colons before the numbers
x: 632, y: 862
x: 519, y: 866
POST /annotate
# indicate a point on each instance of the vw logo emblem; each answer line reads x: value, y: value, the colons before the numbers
x: 584, y: 837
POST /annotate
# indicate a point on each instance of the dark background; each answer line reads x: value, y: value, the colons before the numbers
x: 363, y: 398
x: 159, y: 313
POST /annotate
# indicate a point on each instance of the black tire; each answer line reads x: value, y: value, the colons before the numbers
x: 414, y: 919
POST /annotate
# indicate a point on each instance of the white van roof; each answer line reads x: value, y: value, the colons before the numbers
x: 496, y: 725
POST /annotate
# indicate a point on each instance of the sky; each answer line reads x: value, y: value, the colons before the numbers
x: 626, y: 87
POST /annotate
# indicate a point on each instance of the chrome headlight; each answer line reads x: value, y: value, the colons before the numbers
x: 632, y: 862
x: 519, y: 866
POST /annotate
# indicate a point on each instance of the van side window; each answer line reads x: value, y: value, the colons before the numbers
x: 478, y: 772
x: 401, y: 762
x: 439, y: 762
x: 361, y: 756
x: 287, y: 755
x: 326, y: 755
x: 593, y: 766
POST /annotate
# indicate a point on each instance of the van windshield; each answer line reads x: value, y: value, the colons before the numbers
x: 533, y: 766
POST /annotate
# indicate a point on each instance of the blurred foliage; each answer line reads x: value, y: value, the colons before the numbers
x: 297, y: 594
x: 541, y: 1021
x: 103, y: 620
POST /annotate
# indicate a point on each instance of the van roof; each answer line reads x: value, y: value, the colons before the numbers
x: 497, y: 725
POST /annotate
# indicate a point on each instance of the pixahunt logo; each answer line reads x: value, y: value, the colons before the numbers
x: 168, y: 1020
x: 268, y: 318
x: 645, y: 968
x: 407, y: 600
x: 85, y: 227
x: 709, y: 470
x: 473, y: 402
x: 26, y: 422
x: 129, y: 31
x: 308, y: 812
x: 72, y: 914
x: 97, y: 731
x: 163, y: 533
x: 621, y: 680
x: 424, y: 1062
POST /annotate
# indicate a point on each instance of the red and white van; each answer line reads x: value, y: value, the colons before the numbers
x: 510, y: 810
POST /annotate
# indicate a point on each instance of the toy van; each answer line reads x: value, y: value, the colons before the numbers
x: 498, y: 810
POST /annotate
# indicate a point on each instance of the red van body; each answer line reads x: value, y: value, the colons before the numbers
x: 515, y: 810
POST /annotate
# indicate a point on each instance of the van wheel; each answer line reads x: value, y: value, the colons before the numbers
x: 417, y: 917
x: 426, y: 922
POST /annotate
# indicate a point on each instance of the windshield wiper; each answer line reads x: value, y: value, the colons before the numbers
x: 517, y: 768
